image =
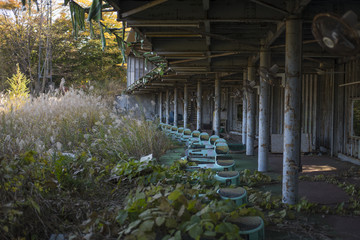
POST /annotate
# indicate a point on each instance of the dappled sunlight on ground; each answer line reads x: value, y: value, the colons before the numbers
x: 317, y: 168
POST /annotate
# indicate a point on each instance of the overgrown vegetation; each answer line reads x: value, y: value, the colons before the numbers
x: 79, y: 60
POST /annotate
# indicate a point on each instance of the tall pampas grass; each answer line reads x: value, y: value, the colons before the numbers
x: 75, y: 122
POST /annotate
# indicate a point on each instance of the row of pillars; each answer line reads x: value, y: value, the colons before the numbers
x: 217, y: 106
x: 292, y: 135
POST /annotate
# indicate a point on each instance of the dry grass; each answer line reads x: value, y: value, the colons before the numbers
x: 74, y: 122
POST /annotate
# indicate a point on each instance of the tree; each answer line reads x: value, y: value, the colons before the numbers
x: 77, y: 60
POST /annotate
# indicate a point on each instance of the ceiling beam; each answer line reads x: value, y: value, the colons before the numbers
x: 270, y: 6
x: 172, y: 34
x: 196, y: 22
x: 280, y: 28
x: 142, y: 8
x: 202, y: 58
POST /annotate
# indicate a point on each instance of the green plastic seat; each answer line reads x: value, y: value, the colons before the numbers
x: 228, y: 177
x: 213, y: 139
x: 204, y: 137
x: 221, y: 148
x: 185, y: 135
x: 238, y: 195
x: 220, y: 140
x: 251, y: 227
x: 194, y: 137
x: 178, y: 134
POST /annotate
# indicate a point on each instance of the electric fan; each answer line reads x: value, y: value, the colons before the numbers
x: 337, y: 35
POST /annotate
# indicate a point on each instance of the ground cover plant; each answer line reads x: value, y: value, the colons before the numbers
x: 57, y: 152
x: 69, y: 165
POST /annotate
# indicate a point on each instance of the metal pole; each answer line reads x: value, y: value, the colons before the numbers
x: 175, y: 106
x: 198, y: 106
x: 251, y: 108
x: 167, y: 105
x: 160, y: 107
x: 217, y: 105
x: 244, y: 117
x: 264, y: 114
x: 292, y: 119
x: 185, y: 104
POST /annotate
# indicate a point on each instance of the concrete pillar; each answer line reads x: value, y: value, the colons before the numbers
x: 263, y: 158
x: 185, y: 104
x: 175, y: 106
x: 167, y: 106
x: 244, y: 117
x: 217, y: 105
x: 292, y: 119
x: 198, y: 106
x: 251, y: 108
x: 160, y: 106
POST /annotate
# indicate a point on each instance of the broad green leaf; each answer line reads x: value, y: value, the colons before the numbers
x: 147, y: 226
x: 171, y: 223
x: 145, y: 214
x: 175, y: 195
x: 225, y: 227
x: 177, y: 235
x: 196, y: 231
x: 132, y: 226
x: 181, y: 211
x: 209, y: 234
x: 159, y: 221
x: 122, y: 216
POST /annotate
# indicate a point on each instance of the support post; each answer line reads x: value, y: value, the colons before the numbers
x: 264, y: 114
x: 292, y: 119
x: 251, y: 108
x: 167, y: 106
x: 185, y: 104
x: 244, y: 115
x: 175, y: 106
x: 160, y: 106
x: 198, y: 106
x: 217, y: 105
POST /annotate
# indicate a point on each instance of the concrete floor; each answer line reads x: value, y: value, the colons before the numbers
x: 338, y: 227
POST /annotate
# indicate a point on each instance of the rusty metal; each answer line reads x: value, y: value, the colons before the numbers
x: 198, y: 106
x: 167, y: 106
x: 217, y: 105
x: 185, y: 104
x: 244, y: 117
x: 175, y: 106
x: 160, y: 106
x: 292, y: 115
x: 251, y: 108
x: 264, y: 131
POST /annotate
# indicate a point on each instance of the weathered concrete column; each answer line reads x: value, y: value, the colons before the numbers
x: 264, y: 125
x: 167, y: 106
x: 217, y: 105
x: 185, y: 104
x: 160, y: 107
x: 244, y: 117
x: 175, y: 106
x: 251, y: 108
x: 292, y: 119
x: 199, y: 105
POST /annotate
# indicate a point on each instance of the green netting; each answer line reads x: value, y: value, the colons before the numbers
x: 95, y: 10
x: 77, y: 18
